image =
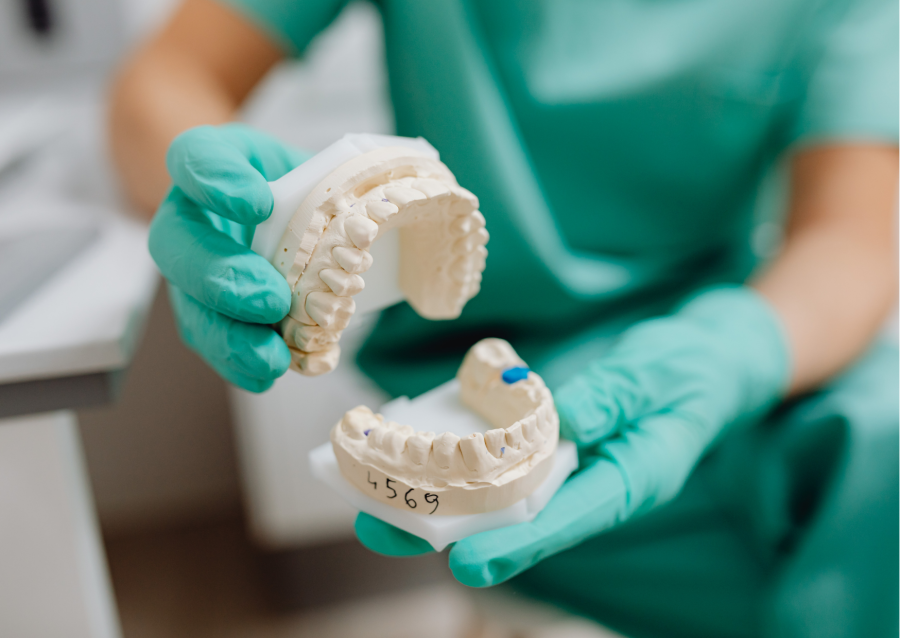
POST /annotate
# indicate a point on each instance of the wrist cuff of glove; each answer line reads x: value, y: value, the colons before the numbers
x: 750, y: 325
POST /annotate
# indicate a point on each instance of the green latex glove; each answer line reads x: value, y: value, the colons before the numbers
x: 225, y: 296
x: 643, y: 416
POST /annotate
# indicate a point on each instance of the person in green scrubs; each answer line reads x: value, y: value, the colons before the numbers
x: 735, y: 408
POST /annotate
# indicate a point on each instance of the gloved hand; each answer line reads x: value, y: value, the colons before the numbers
x: 643, y: 415
x: 225, y: 297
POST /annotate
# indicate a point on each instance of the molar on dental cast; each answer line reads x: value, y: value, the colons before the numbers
x: 480, y: 472
x: 325, y: 248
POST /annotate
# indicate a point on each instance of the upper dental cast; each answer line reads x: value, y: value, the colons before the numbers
x: 451, y: 475
x: 442, y: 247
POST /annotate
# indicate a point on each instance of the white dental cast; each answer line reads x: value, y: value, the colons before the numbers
x: 447, y: 475
x: 442, y: 247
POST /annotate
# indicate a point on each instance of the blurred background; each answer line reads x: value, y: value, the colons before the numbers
x: 211, y: 523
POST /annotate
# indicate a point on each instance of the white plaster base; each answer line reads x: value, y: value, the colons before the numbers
x: 440, y: 531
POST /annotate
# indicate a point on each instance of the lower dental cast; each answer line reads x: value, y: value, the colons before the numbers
x: 442, y: 247
x: 444, y: 474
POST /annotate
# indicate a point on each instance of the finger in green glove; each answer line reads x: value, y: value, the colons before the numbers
x: 225, y: 296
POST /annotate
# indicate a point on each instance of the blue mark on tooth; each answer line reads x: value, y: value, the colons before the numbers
x: 502, y: 450
x: 511, y: 375
x: 366, y: 432
x: 384, y: 200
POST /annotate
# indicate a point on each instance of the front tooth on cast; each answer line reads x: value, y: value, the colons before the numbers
x: 445, y: 447
x: 401, y: 195
x: 467, y: 244
x: 362, y: 231
x: 330, y: 311
x: 419, y: 447
x: 495, y: 441
x: 353, y: 260
x: 474, y: 453
x: 342, y: 283
x: 382, y: 210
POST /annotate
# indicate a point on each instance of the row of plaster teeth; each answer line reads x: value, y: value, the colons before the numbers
x: 323, y: 298
x: 479, y: 453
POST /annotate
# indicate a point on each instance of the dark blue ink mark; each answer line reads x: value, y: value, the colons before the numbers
x: 502, y: 450
x: 511, y: 375
x: 366, y: 432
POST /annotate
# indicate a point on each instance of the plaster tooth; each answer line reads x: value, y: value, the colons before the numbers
x: 530, y: 429
x: 545, y: 420
x: 445, y: 447
x: 461, y: 270
x: 479, y: 257
x: 308, y: 338
x: 380, y: 211
x: 467, y: 244
x: 465, y: 225
x: 358, y: 208
x: 376, y: 436
x: 406, y: 430
x: 312, y: 364
x: 330, y: 311
x: 514, y: 438
x: 394, y: 441
x: 431, y: 187
x: 419, y: 447
x: 342, y: 283
x: 362, y: 231
x: 401, y: 196
x: 474, y: 453
x: 357, y: 421
x: 353, y: 260
x: 495, y: 442
x: 468, y: 202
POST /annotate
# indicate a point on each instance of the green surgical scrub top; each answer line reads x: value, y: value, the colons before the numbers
x: 617, y: 147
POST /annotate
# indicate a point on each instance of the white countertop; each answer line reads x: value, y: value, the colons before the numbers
x: 87, y: 316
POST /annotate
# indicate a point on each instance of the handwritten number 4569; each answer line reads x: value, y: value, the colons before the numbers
x: 410, y: 502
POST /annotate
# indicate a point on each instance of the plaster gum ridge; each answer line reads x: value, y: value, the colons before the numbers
x: 444, y: 474
x: 442, y: 247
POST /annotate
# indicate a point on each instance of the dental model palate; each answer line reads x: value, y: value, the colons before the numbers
x: 324, y: 252
x: 444, y: 474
